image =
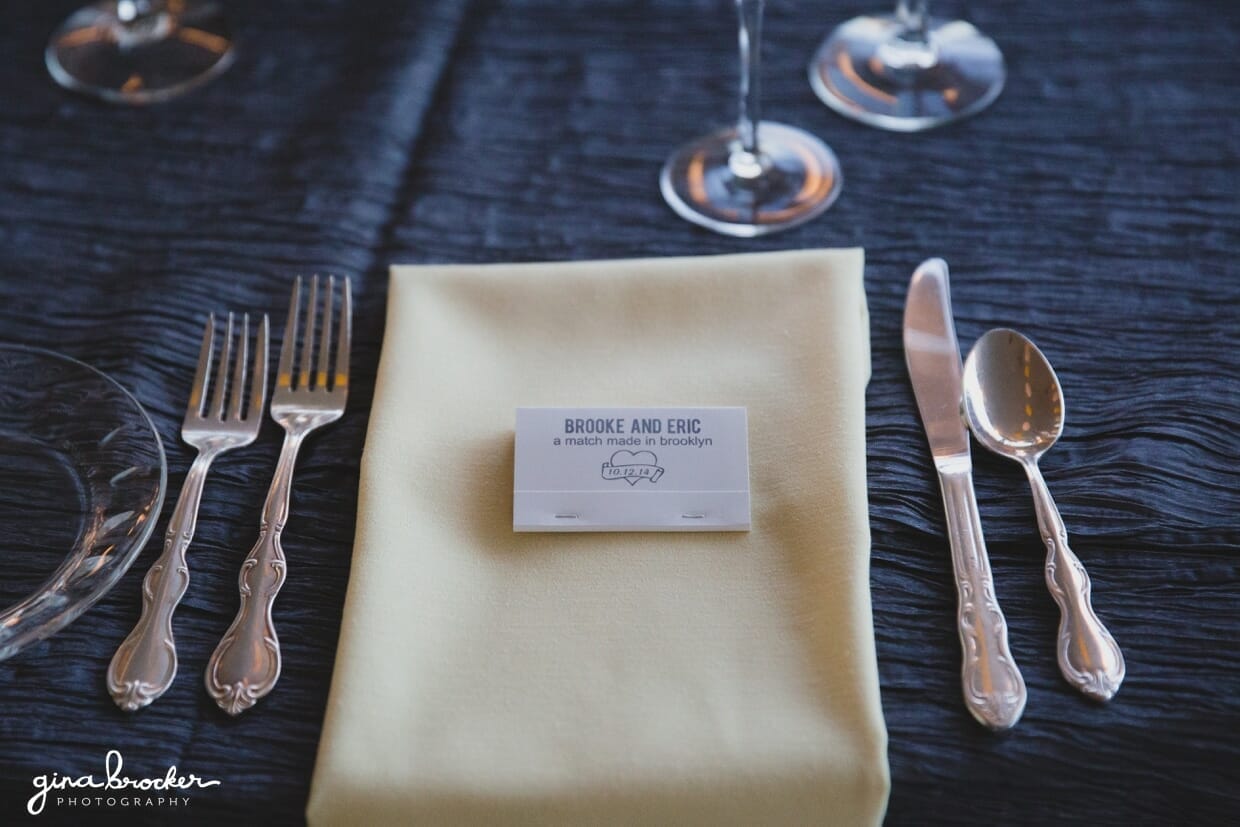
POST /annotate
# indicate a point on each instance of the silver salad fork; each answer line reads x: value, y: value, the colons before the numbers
x: 246, y: 664
x: 146, y: 662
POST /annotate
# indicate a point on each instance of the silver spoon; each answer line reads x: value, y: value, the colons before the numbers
x: 1014, y: 407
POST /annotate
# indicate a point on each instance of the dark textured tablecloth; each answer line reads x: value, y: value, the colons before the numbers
x: 1094, y: 207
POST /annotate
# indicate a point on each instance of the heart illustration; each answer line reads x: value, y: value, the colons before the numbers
x: 632, y: 466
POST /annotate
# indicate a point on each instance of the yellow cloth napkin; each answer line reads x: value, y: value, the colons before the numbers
x: 487, y: 677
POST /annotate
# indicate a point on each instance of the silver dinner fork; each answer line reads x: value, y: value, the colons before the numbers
x: 246, y: 664
x: 146, y: 662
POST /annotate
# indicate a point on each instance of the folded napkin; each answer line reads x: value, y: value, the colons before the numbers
x: 488, y: 677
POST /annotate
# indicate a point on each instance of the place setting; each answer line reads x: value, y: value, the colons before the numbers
x: 616, y: 517
x: 635, y: 538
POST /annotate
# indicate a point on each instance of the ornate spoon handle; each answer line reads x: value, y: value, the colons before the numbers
x: 994, y: 690
x: 146, y: 662
x: 1089, y: 657
x: 246, y: 664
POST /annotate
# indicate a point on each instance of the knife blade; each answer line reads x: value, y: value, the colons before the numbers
x: 994, y: 690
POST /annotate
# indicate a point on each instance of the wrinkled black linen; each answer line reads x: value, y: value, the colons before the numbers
x: 1094, y: 207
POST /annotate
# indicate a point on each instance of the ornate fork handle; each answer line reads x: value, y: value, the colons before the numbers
x: 1089, y: 657
x: 994, y: 690
x: 246, y: 664
x: 146, y: 662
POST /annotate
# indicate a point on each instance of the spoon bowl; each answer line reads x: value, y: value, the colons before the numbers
x: 1012, y: 396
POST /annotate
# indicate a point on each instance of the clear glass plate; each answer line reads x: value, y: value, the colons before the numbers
x: 82, y: 477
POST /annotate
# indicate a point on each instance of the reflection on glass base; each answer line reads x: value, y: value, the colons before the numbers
x: 866, y: 71
x: 152, y: 57
x: 708, y: 181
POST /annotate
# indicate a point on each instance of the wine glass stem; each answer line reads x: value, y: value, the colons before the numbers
x: 914, y: 16
x: 747, y: 162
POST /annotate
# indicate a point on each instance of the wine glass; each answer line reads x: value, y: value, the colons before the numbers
x: 907, y: 71
x: 140, y: 51
x: 756, y: 177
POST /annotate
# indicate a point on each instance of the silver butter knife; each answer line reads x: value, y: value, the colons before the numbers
x: 994, y: 690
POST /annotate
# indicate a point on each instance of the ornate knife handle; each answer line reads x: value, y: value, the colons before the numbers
x: 246, y: 664
x: 146, y: 662
x: 994, y: 690
x: 1089, y: 657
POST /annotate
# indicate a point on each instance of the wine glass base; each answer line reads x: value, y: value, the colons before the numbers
x: 866, y: 71
x: 152, y: 58
x: 800, y: 178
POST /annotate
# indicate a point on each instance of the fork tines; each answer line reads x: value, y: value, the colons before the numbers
x: 227, y: 400
x: 308, y: 361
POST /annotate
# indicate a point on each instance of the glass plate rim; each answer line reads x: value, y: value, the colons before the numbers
x: 106, y: 583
